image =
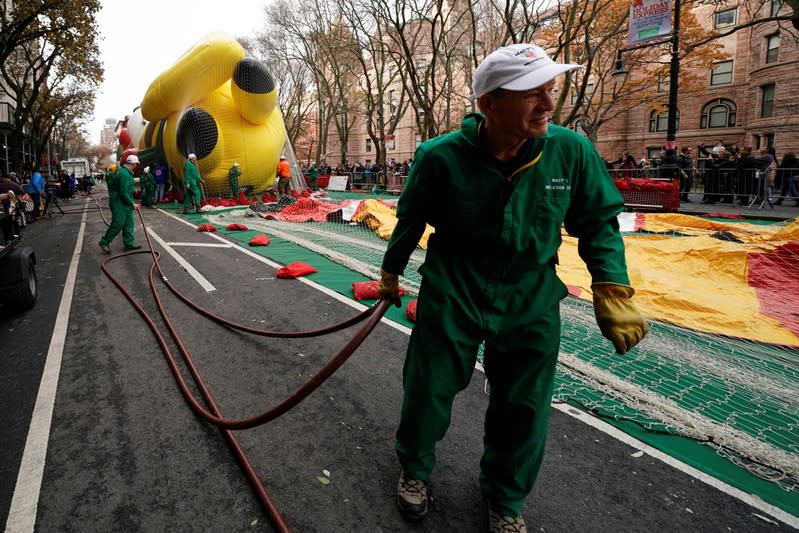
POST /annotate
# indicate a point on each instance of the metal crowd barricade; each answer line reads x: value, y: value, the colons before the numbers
x: 764, y: 183
x: 728, y: 184
x: 786, y: 184
x: 368, y: 181
x: 357, y: 181
x: 395, y: 183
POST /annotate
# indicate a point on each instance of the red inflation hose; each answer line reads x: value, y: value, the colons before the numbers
x: 213, y: 413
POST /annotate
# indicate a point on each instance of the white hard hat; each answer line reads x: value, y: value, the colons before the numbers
x: 235, y: 164
x: 192, y: 156
x: 132, y: 159
x: 147, y: 169
x: 282, y: 157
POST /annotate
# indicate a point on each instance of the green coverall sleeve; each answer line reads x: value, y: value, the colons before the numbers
x: 592, y: 220
x: 412, y: 210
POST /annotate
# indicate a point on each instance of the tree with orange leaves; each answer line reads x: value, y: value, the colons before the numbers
x: 592, y: 33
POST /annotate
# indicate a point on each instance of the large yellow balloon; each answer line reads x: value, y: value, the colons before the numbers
x: 218, y: 104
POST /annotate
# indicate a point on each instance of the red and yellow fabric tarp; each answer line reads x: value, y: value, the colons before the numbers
x: 734, y: 279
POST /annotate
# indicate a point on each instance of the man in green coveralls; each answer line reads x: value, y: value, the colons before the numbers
x: 497, y: 192
x: 148, y: 185
x: 313, y: 176
x: 120, y: 199
x: 192, y: 181
x: 233, y: 175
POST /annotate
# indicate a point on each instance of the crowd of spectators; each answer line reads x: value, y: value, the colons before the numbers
x: 729, y: 174
x: 367, y: 169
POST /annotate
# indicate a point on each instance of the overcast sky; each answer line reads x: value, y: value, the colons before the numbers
x: 141, y: 39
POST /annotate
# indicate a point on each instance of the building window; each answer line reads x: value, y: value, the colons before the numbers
x: 392, y: 101
x: 418, y: 139
x: 368, y: 145
x: 721, y: 73
x: 6, y: 112
x: 664, y: 84
x: 772, y: 48
x: 776, y: 5
x: 719, y: 113
x: 589, y: 90
x: 660, y: 121
x: 767, y: 100
x: 724, y: 18
x: 549, y: 22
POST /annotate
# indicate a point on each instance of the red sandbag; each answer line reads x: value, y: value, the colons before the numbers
x: 295, y: 270
x: 206, y: 227
x: 367, y: 290
x: 243, y: 199
x: 410, y: 310
x: 237, y: 227
x: 259, y: 240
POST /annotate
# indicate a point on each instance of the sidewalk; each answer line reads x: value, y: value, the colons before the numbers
x: 785, y: 211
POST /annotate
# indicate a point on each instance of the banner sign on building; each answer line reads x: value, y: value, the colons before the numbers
x: 649, y: 19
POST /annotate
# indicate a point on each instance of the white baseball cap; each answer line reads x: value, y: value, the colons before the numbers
x: 517, y: 67
x: 132, y: 159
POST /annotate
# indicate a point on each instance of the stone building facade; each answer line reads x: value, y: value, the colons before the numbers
x: 750, y: 99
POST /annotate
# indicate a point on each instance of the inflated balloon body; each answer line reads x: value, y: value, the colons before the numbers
x: 134, y: 127
x: 220, y: 105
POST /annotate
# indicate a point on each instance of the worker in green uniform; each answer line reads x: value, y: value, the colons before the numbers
x: 120, y: 199
x: 313, y: 176
x: 497, y: 192
x: 192, y: 182
x: 233, y: 178
x: 148, y: 185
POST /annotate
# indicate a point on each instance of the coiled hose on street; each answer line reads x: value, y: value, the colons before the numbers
x: 212, y: 413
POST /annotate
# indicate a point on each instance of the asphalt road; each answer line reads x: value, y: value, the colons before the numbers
x: 123, y: 451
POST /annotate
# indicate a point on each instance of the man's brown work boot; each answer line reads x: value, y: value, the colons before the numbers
x: 412, y: 497
x: 498, y: 523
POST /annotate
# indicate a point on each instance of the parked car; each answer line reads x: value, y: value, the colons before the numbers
x: 18, y: 284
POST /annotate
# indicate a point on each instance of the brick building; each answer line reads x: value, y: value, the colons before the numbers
x: 749, y: 99
x: 108, y: 134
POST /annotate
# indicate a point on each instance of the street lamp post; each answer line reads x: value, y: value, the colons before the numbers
x: 668, y: 167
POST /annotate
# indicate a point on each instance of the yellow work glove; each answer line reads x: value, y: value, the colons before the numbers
x: 617, y: 316
x: 389, y: 288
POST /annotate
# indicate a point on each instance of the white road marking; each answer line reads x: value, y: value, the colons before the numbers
x: 25, y: 501
x: 199, y: 244
x: 618, y: 434
x: 193, y: 272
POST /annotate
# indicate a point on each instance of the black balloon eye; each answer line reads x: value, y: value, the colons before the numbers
x: 252, y: 76
x: 197, y: 133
